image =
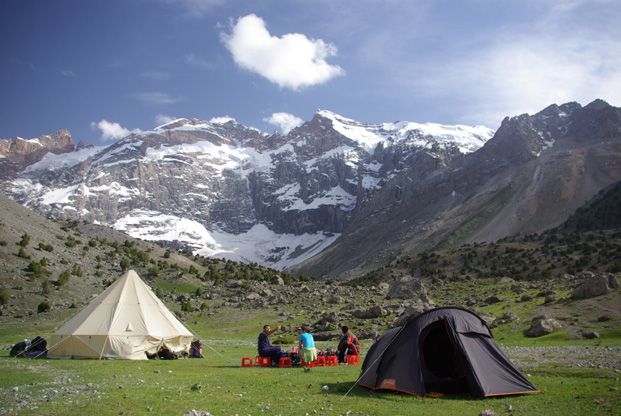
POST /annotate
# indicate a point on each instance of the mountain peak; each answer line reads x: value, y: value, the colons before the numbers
x: 597, y: 104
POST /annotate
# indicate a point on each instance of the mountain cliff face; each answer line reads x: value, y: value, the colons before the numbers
x: 531, y: 176
x: 332, y: 197
x: 16, y: 154
x: 227, y: 190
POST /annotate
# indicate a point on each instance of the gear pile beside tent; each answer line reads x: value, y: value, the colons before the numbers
x: 125, y: 322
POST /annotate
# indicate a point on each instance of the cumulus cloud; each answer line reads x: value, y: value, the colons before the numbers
x: 110, y: 130
x: 284, y: 121
x: 292, y: 60
x: 154, y: 98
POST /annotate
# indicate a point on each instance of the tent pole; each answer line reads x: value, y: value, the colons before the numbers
x: 102, y: 348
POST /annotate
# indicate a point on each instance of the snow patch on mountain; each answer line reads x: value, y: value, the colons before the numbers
x: 466, y: 138
x: 53, y: 161
x: 259, y: 244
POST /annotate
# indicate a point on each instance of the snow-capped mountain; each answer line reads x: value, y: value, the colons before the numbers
x: 227, y: 190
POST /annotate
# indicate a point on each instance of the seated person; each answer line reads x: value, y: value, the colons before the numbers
x: 307, y: 346
x: 265, y: 347
x: 348, y: 345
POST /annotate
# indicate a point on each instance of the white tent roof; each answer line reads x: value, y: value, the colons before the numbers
x: 125, y: 321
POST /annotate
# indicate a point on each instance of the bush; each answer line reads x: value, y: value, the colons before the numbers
x: 125, y: 263
x: 24, y: 241
x: 187, y: 307
x: 37, y: 269
x: 45, y: 287
x: 77, y: 271
x: 22, y: 253
x: 64, y: 278
x: 4, y: 296
x: 43, y: 307
x: 3, y: 243
x: 46, y: 247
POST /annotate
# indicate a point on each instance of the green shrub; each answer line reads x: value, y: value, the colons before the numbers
x: 187, y: 307
x: 24, y: 241
x: 43, y: 307
x: 46, y: 247
x: 37, y: 269
x: 22, y: 253
x: 77, y: 271
x: 3, y: 243
x: 64, y: 278
x: 45, y: 287
x: 4, y: 297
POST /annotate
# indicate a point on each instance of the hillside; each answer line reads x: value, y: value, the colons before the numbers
x: 530, y: 177
x: 64, y: 263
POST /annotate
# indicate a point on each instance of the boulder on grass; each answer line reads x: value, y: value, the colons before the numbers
x: 595, y: 286
x: 542, y: 325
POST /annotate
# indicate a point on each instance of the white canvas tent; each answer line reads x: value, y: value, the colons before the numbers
x: 124, y: 322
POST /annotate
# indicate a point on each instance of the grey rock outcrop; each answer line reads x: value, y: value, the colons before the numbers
x: 542, y: 325
x: 595, y: 286
x: 376, y: 311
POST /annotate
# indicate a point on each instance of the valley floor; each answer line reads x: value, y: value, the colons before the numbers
x: 218, y: 385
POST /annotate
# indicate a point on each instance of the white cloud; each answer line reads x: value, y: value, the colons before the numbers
x: 154, y: 98
x: 67, y: 73
x: 221, y: 120
x: 527, y: 74
x: 292, y: 61
x: 110, y: 130
x: 162, y: 119
x: 284, y: 121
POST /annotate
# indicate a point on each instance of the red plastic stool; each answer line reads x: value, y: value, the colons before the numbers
x: 284, y: 362
x: 331, y: 360
x: 353, y: 359
x: 321, y: 361
x: 262, y: 361
x: 246, y: 362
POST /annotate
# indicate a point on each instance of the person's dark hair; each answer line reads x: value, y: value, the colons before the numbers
x: 344, y: 328
x: 265, y: 327
x: 305, y: 328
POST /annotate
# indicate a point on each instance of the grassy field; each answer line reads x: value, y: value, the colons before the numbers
x: 220, y: 386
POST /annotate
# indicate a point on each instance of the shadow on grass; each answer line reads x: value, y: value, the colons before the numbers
x: 340, y: 389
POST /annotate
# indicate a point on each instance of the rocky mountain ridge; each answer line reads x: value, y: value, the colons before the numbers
x: 531, y: 176
x: 227, y: 190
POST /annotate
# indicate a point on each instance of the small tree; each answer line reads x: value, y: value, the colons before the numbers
x: 45, y: 287
x: 125, y: 263
x: 64, y: 278
x: 24, y: 241
x: 43, y: 307
x: 22, y: 253
x: 4, y: 296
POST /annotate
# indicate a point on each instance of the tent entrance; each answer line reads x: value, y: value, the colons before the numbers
x: 443, y: 363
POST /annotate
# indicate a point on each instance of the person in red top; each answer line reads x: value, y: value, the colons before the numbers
x: 348, y: 344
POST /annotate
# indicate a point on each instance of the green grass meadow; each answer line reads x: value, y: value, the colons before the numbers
x: 217, y: 384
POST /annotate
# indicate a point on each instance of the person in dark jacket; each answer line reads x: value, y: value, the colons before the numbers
x: 348, y: 344
x: 265, y: 347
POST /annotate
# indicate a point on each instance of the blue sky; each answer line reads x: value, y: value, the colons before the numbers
x: 104, y: 68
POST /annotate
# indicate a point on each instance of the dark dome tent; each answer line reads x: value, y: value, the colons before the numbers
x: 444, y: 350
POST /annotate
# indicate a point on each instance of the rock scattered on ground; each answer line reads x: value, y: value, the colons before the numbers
x: 542, y: 325
x: 595, y: 286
